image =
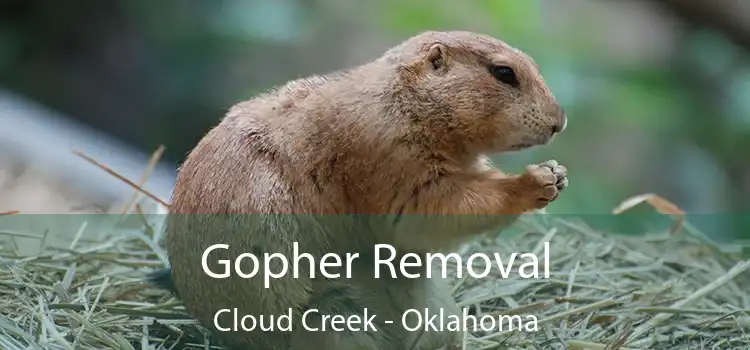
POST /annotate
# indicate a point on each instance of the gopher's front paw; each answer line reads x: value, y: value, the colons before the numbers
x: 543, y: 182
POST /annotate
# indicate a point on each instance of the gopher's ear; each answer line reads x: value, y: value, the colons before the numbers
x: 436, y: 57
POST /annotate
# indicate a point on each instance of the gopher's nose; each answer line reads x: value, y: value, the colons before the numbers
x: 562, y: 123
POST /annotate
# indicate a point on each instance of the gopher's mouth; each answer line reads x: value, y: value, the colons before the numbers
x: 529, y: 143
x: 521, y: 146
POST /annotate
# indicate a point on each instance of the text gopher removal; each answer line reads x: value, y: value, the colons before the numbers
x: 477, y: 265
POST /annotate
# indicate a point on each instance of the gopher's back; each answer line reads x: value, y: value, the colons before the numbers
x: 314, y: 145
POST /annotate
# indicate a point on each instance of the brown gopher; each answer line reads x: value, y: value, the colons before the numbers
x: 406, y: 136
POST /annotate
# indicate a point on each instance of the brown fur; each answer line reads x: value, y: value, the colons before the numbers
x: 403, y: 135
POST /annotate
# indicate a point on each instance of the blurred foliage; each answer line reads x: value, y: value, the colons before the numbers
x: 164, y: 71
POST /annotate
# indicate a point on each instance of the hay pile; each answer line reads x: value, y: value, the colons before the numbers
x: 660, y: 291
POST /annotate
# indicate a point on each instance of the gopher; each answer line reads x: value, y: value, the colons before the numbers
x: 394, y: 151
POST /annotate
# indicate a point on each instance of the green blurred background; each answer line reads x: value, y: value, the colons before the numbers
x: 657, y: 92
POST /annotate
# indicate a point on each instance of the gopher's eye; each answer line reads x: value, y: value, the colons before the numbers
x: 505, y: 74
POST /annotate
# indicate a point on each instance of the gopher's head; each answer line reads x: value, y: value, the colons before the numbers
x: 477, y: 91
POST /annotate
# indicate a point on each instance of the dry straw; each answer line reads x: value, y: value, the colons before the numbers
x: 668, y: 290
